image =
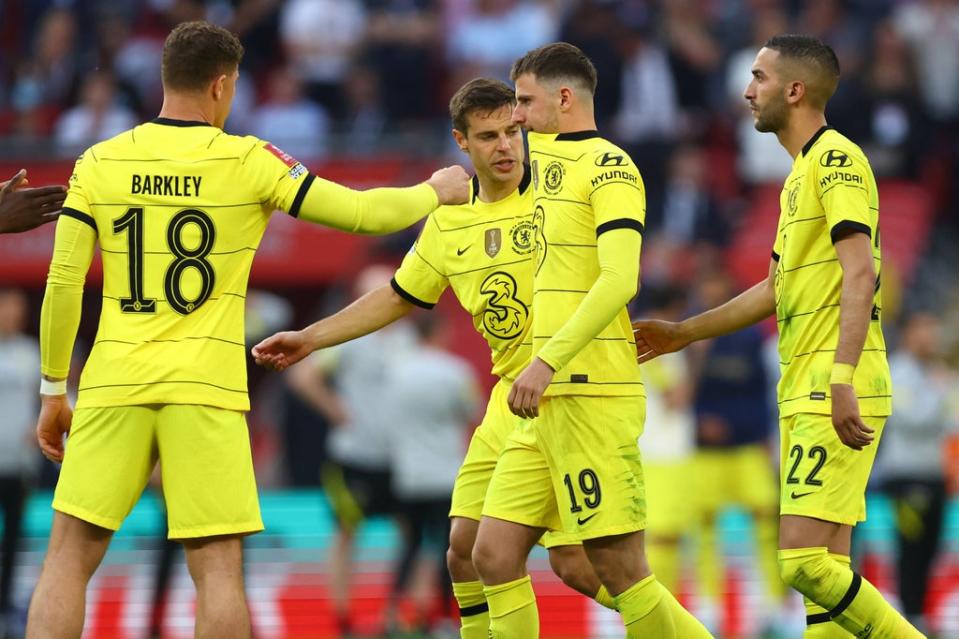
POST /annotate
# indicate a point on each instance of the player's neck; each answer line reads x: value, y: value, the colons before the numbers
x: 493, y: 190
x: 188, y: 108
x: 800, y: 130
x: 575, y: 121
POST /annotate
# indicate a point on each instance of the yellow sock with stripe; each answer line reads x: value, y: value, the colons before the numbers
x: 603, y: 598
x: 827, y: 630
x: 847, y: 598
x: 474, y: 611
x: 824, y: 630
x: 512, y: 610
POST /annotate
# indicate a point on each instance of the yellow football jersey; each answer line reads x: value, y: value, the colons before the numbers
x: 831, y: 190
x: 583, y: 186
x: 484, y: 251
x: 178, y: 209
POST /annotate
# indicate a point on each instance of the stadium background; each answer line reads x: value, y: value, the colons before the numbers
x: 357, y: 90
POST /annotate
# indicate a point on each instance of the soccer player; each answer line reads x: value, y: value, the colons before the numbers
x: 483, y: 251
x: 823, y: 286
x: 178, y: 208
x: 573, y: 465
x: 22, y: 209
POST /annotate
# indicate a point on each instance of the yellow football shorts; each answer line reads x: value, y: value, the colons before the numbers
x: 670, y: 491
x: 576, y: 468
x: 205, y: 461
x: 735, y: 475
x: 821, y: 477
x: 488, y: 441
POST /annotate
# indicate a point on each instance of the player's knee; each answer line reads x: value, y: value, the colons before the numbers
x: 807, y: 573
x: 215, y: 560
x: 571, y: 565
x: 456, y: 559
x: 494, y: 563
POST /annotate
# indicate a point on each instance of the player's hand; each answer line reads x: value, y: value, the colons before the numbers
x: 281, y: 350
x: 845, y: 417
x: 22, y: 209
x: 528, y: 389
x: 656, y: 337
x: 20, y: 179
x: 452, y: 185
x: 54, y: 422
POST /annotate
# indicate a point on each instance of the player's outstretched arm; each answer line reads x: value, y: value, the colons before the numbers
x: 369, y: 313
x: 656, y: 337
x: 855, y: 311
x: 383, y: 210
x: 22, y: 209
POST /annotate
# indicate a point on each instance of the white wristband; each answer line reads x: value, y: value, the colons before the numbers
x: 53, y: 388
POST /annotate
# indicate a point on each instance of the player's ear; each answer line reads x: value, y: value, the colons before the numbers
x: 795, y: 91
x: 565, y: 98
x: 218, y: 87
x: 460, y: 139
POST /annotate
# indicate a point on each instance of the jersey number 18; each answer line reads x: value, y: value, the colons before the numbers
x: 131, y: 223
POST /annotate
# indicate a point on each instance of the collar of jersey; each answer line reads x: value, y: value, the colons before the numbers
x: 173, y: 122
x: 814, y: 139
x: 576, y: 136
x: 523, y: 185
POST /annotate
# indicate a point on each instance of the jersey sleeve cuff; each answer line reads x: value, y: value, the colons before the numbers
x: 847, y: 227
x: 621, y: 223
x: 549, y: 360
x: 86, y: 218
x: 301, y: 195
x: 409, y: 297
x: 775, y: 256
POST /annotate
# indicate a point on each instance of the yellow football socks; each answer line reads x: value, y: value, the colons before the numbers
x: 512, y: 610
x: 603, y: 598
x: 848, y: 599
x: 474, y: 611
x: 815, y: 611
x: 645, y: 612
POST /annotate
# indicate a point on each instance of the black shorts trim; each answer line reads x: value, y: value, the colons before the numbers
x: 301, y: 195
x: 621, y: 223
x: 81, y: 216
x: 847, y: 227
x: 412, y: 299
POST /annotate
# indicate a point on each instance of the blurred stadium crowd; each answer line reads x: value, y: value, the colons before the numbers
x: 332, y: 79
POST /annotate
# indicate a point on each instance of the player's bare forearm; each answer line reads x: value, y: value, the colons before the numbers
x: 858, y: 289
x: 656, y: 337
x: 370, y: 313
x: 752, y: 305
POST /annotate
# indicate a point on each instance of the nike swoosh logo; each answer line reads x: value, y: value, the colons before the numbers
x: 585, y: 519
x: 794, y: 495
x: 463, y: 250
